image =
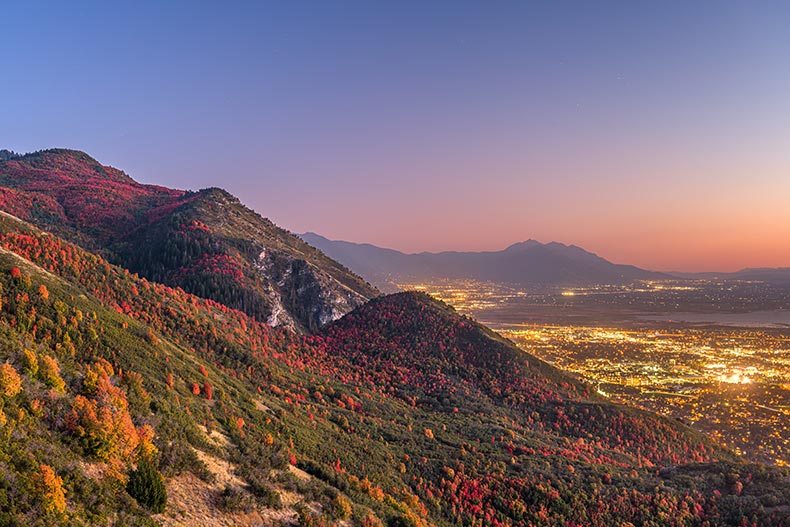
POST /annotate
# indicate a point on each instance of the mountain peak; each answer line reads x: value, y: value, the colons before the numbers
x: 315, y: 235
x: 521, y: 246
x: 416, y: 298
x: 218, y: 194
x: 58, y: 164
x: 67, y: 152
x: 5, y: 155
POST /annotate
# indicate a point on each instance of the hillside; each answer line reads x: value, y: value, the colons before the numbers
x: 206, y: 242
x: 74, y: 195
x: 217, y: 248
x: 415, y: 348
x: 402, y: 412
x: 528, y: 263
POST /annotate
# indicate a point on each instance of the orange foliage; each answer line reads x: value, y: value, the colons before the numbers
x: 49, y: 489
x: 10, y: 381
x: 102, y: 423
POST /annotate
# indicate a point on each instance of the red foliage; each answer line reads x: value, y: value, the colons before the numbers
x: 410, y: 348
x: 214, y: 264
x: 75, y: 189
x: 25, y: 205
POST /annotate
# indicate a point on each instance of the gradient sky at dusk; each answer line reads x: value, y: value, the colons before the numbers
x: 657, y: 135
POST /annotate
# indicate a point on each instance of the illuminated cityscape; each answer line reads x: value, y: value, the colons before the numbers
x: 732, y: 383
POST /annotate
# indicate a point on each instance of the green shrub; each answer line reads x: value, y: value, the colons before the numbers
x: 147, y: 486
x: 260, y: 488
x: 178, y: 457
x: 233, y: 499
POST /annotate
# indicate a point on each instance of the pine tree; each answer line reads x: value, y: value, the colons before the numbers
x: 147, y: 486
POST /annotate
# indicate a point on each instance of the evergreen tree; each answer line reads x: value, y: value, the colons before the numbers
x: 147, y: 486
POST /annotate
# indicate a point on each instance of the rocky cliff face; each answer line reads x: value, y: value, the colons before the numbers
x: 310, y: 296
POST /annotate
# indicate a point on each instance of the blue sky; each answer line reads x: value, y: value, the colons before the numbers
x: 651, y: 133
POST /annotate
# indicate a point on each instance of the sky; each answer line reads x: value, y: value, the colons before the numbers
x: 651, y: 133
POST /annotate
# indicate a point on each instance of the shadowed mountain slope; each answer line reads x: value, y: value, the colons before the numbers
x: 206, y: 242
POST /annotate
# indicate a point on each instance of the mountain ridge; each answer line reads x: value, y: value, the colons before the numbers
x: 205, y: 241
x: 527, y: 263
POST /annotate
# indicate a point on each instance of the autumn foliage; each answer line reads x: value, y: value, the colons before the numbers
x: 49, y: 489
x: 400, y: 413
x: 10, y: 381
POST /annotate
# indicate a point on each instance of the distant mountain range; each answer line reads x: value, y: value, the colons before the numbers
x: 528, y: 263
x: 773, y: 275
